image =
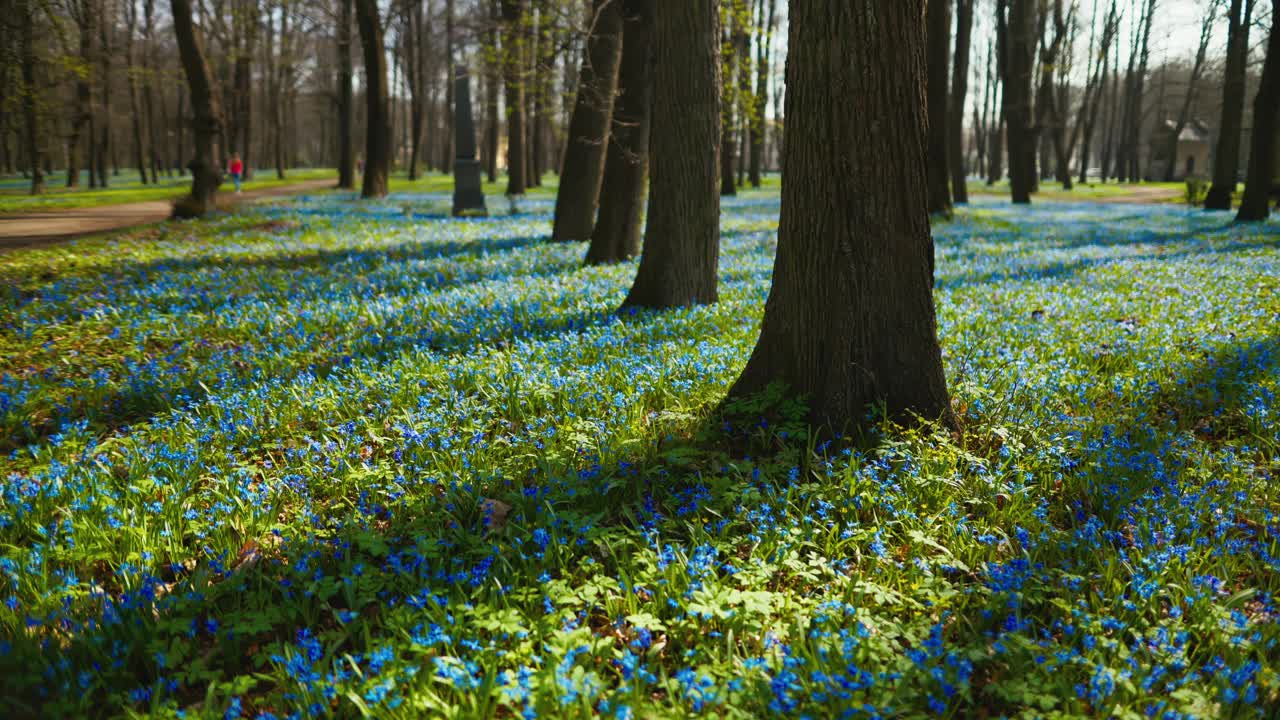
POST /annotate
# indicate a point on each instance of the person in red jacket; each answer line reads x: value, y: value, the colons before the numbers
x: 236, y: 167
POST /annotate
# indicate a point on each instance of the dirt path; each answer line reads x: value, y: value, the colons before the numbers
x: 31, y: 229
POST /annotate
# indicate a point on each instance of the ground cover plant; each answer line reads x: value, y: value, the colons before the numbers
x: 333, y: 458
x: 15, y: 191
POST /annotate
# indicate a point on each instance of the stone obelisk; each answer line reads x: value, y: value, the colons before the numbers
x: 468, y: 197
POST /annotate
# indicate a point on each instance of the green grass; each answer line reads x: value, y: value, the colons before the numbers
x: 127, y: 188
x: 1050, y: 190
x: 250, y: 463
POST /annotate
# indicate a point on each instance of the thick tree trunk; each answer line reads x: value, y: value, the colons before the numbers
x: 1226, y: 159
x: 1020, y: 43
x: 679, y: 262
x: 959, y: 89
x: 513, y: 18
x: 849, y: 322
x: 377, y: 145
x: 616, y: 236
x: 346, y: 159
x: 938, y: 59
x: 1261, y: 180
x: 580, y: 179
x: 206, y: 123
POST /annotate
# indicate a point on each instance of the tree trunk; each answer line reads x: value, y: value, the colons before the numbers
x: 80, y: 113
x: 849, y: 322
x: 729, y: 99
x: 139, y: 150
x: 346, y: 159
x: 447, y: 149
x: 584, y: 159
x: 491, y: 86
x: 1226, y: 159
x: 513, y: 17
x: 938, y: 59
x: 31, y: 114
x: 616, y: 236
x: 678, y: 265
x: 1261, y: 180
x: 1019, y: 44
x: 764, y: 48
x: 959, y: 89
x: 104, y: 69
x: 206, y: 123
x: 377, y: 146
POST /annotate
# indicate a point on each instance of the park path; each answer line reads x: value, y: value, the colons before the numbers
x: 31, y: 229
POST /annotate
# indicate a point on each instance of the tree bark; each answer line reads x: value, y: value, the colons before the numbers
x: 83, y: 15
x: 206, y: 123
x: 616, y: 236
x: 959, y: 89
x: 1019, y: 44
x: 346, y: 159
x: 30, y: 107
x: 1226, y: 159
x: 849, y: 322
x: 491, y: 86
x: 938, y: 59
x: 377, y: 145
x: 584, y: 159
x: 1261, y: 180
x: 139, y: 150
x: 513, y: 18
x: 679, y: 262
x: 104, y: 70
x: 729, y: 99
x: 763, y: 60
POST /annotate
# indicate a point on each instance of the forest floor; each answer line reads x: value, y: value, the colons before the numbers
x: 331, y: 458
x: 33, y: 228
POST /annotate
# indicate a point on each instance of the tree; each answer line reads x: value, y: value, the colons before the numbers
x: 206, y: 122
x: 1193, y: 86
x: 1226, y: 163
x: 849, y: 322
x: 578, y: 195
x: 491, y: 85
x: 616, y: 236
x: 513, y: 19
x: 30, y: 103
x: 377, y: 144
x: 1262, y: 151
x: 678, y: 265
x: 938, y: 58
x: 1095, y: 87
x: 959, y: 89
x: 764, y: 45
x: 346, y: 159
x: 1017, y: 30
x: 731, y: 17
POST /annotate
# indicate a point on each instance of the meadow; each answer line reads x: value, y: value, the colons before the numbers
x: 330, y: 458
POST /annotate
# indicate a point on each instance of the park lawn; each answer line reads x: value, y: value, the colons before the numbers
x: 126, y: 188
x: 251, y: 464
x: 1165, y: 192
